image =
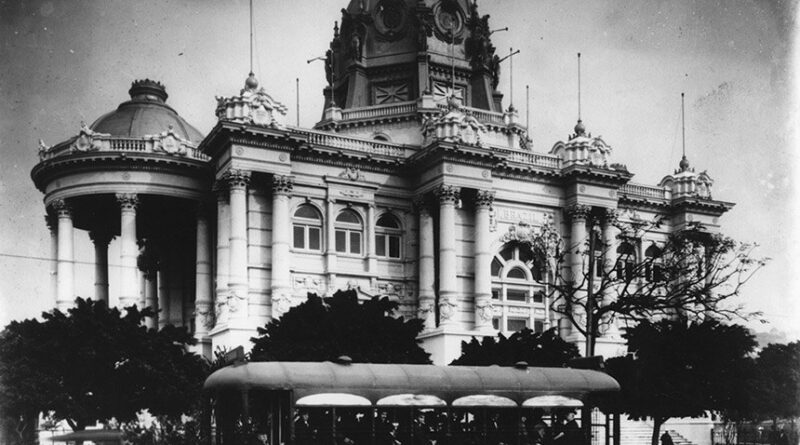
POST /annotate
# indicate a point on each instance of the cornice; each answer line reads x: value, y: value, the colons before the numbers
x: 594, y: 175
x: 46, y: 171
x: 700, y: 205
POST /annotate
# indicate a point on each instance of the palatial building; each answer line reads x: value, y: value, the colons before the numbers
x: 416, y: 184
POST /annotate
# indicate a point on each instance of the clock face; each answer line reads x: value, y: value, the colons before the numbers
x: 448, y: 20
x: 390, y: 19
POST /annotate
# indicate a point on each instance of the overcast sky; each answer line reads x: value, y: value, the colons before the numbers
x: 68, y: 61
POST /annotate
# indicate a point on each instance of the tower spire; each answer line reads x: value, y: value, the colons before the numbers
x: 684, y: 164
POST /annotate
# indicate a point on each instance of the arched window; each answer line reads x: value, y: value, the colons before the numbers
x: 307, y: 228
x: 517, y: 291
x: 348, y: 232
x: 388, y: 235
x: 626, y: 261
x: 654, y: 269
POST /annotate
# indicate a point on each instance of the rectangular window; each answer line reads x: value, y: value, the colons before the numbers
x: 538, y: 297
x: 394, y: 247
x: 495, y: 294
x: 341, y: 241
x: 496, y: 323
x: 299, y: 237
x: 516, y: 324
x: 380, y: 245
x: 314, y: 238
x: 355, y: 242
x: 538, y: 326
x: 516, y: 295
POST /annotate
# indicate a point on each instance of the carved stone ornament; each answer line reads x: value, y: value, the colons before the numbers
x: 547, y: 241
x: 61, y: 208
x: 485, y: 311
x: 577, y: 212
x: 455, y: 125
x: 352, y: 173
x: 221, y: 308
x: 235, y: 301
x: 422, y: 204
x: 237, y: 179
x: 282, y: 185
x: 425, y: 310
x: 253, y: 106
x: 86, y: 139
x: 610, y: 216
x: 206, y: 316
x: 43, y: 149
x: 448, y: 194
x: 390, y: 18
x: 447, y: 309
x: 281, y: 303
x: 127, y: 201
x: 170, y: 142
x: 484, y: 198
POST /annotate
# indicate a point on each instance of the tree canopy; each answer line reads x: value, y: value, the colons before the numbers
x: 679, y: 369
x: 322, y: 329
x: 545, y: 349
x: 94, y: 363
x: 693, y: 274
x: 775, y: 388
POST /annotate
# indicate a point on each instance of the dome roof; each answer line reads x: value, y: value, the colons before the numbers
x: 145, y: 114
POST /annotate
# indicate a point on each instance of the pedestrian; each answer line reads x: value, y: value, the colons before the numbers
x: 666, y: 439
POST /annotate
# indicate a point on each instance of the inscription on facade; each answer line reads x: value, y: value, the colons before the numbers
x: 506, y: 214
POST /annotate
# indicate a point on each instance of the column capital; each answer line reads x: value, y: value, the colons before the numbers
x: 61, y: 208
x: 484, y: 199
x: 448, y: 194
x: 100, y: 237
x: 422, y: 204
x: 610, y: 216
x: 236, y: 179
x: 282, y: 184
x: 128, y: 201
x: 577, y: 212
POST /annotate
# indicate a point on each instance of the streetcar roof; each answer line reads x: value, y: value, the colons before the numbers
x: 377, y: 383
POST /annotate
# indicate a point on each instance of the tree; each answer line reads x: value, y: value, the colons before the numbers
x: 94, y: 363
x: 776, y: 387
x: 694, y: 274
x: 546, y: 349
x: 322, y: 329
x: 679, y: 369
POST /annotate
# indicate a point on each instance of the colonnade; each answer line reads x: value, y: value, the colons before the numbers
x: 144, y: 278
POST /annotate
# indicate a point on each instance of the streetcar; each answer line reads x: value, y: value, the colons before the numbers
x: 343, y: 403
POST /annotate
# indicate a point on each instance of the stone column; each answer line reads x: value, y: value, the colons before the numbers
x: 129, y: 250
x: 483, y: 260
x: 237, y: 278
x: 65, y: 275
x: 577, y: 215
x: 162, y: 281
x: 427, y: 292
x: 330, y: 244
x: 52, y: 227
x: 148, y: 264
x: 281, y: 290
x: 203, y: 304
x: 448, y: 284
x: 101, y: 238
x: 610, y: 233
x: 223, y: 253
x: 372, y: 260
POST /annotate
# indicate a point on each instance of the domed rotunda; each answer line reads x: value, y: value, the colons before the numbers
x: 137, y: 176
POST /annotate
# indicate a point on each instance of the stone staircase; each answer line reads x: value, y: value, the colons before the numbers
x: 637, y: 432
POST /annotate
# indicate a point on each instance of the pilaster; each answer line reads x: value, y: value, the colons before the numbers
x: 448, y: 292
x: 237, y: 298
x: 282, y: 187
x: 483, y: 259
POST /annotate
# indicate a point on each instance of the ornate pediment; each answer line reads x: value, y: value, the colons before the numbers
x: 253, y: 106
x: 170, y: 143
x: 454, y: 125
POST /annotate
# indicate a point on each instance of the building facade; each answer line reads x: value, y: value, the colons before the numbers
x: 416, y: 184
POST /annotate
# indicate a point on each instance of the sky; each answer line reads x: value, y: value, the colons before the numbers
x: 736, y: 60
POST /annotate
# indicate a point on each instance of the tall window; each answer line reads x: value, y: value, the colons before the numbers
x: 626, y: 261
x: 517, y: 294
x: 654, y: 270
x: 388, y: 235
x: 348, y: 232
x: 307, y: 228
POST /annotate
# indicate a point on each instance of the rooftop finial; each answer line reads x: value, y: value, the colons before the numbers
x: 579, y: 87
x: 251, y: 38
